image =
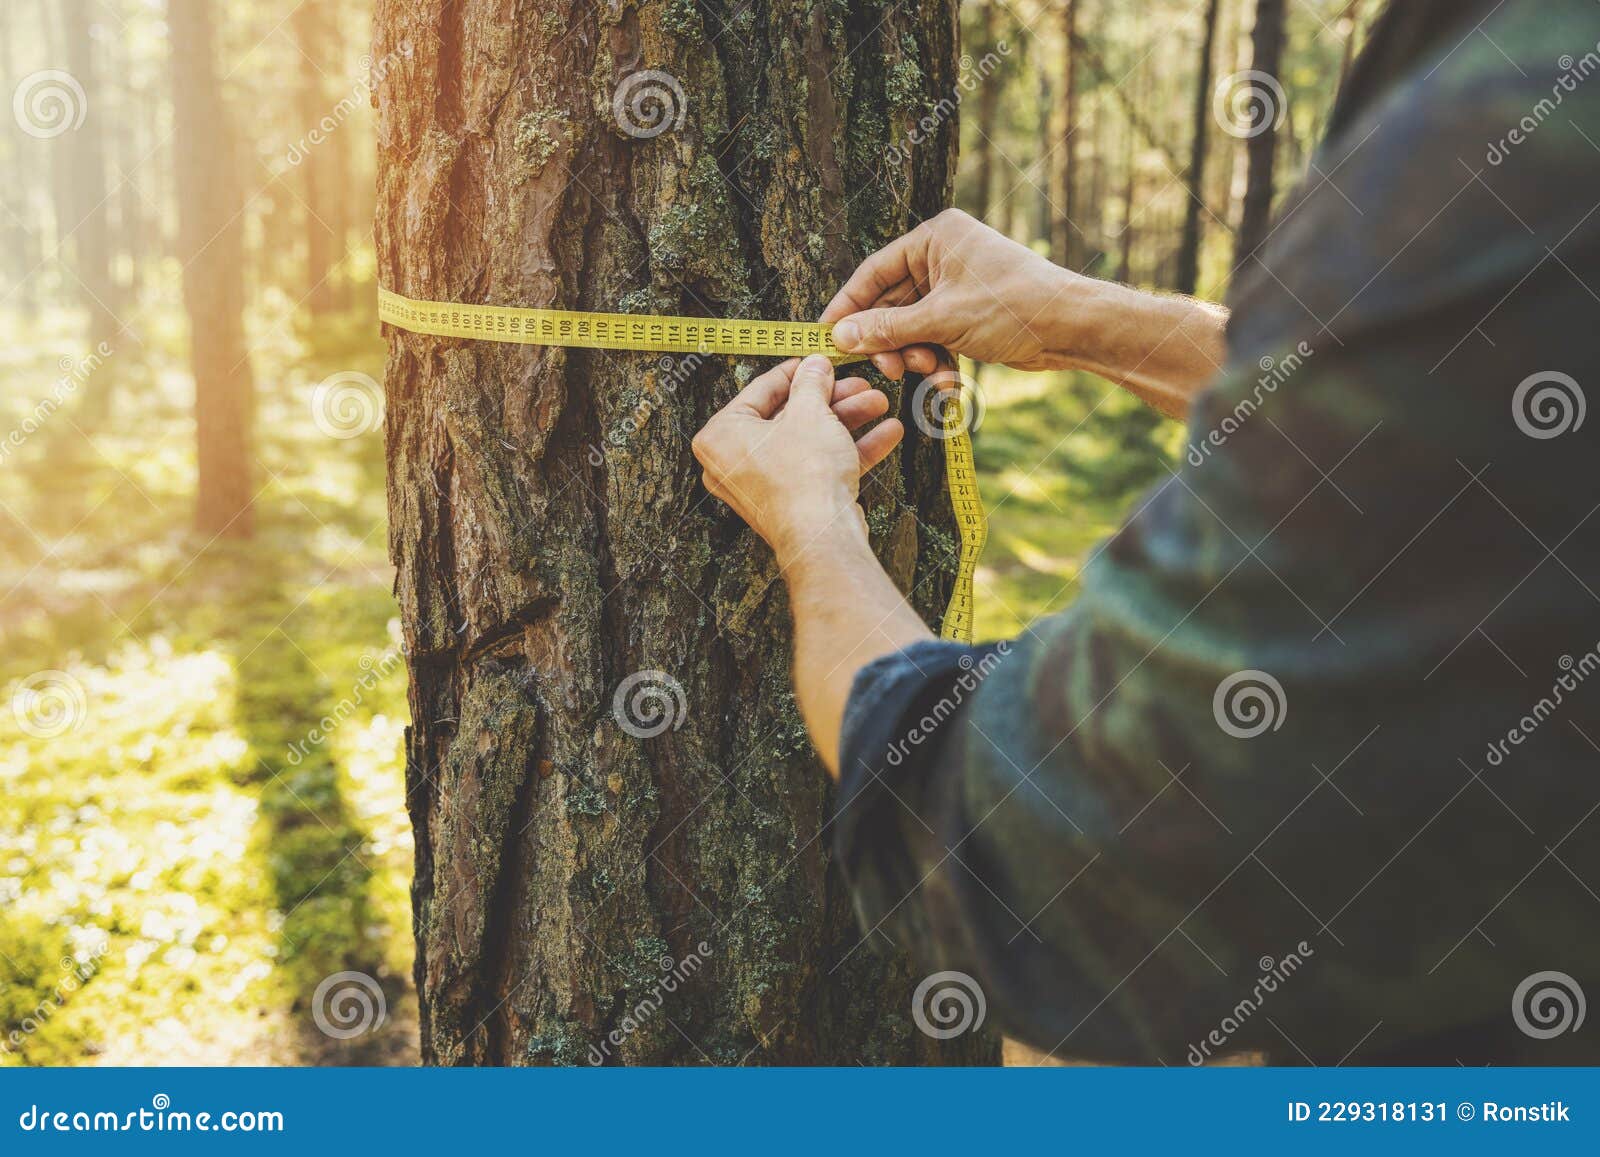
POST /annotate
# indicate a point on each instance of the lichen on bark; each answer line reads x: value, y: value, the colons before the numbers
x: 551, y: 537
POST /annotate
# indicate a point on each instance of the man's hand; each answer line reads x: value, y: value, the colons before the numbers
x: 783, y: 456
x: 955, y: 282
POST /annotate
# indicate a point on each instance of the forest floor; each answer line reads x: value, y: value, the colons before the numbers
x: 224, y: 827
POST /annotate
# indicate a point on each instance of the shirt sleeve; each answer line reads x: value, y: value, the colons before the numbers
x: 1253, y: 791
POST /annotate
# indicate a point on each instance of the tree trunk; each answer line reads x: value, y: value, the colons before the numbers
x: 86, y: 218
x: 1043, y: 207
x: 988, y: 115
x: 132, y: 234
x: 317, y: 164
x: 1187, y: 276
x: 1065, y: 247
x: 211, y: 251
x: 585, y: 890
x: 340, y: 189
x: 19, y: 225
x: 1266, y: 56
x: 1125, y: 238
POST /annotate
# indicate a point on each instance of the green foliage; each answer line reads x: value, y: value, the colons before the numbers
x: 1061, y: 459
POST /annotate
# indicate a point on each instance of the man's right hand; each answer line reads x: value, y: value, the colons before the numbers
x: 954, y: 282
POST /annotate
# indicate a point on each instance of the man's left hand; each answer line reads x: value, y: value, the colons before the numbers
x: 783, y: 452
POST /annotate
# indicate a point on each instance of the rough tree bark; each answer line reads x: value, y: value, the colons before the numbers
x: 552, y: 540
x: 1187, y: 276
x: 210, y: 248
x: 1266, y: 55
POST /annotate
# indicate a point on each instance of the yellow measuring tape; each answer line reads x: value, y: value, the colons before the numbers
x: 640, y: 331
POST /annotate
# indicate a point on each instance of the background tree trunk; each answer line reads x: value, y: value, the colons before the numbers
x: 1187, y: 277
x: 988, y: 110
x: 1066, y: 246
x: 210, y: 250
x: 1266, y: 55
x: 552, y: 540
x: 313, y: 36
x: 86, y: 194
x: 1043, y: 223
x: 1124, y: 272
x: 20, y: 226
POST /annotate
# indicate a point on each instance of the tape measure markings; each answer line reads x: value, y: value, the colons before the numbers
x: 664, y: 334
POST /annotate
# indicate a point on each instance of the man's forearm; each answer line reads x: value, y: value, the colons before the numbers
x: 847, y: 612
x: 1163, y: 348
